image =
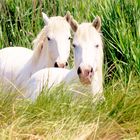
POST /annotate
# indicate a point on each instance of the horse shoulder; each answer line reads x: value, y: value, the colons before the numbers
x: 71, y: 76
x: 35, y: 84
x: 48, y: 77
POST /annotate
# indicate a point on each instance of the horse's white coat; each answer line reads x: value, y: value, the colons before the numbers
x: 48, y: 77
x: 17, y: 64
x: 88, y: 51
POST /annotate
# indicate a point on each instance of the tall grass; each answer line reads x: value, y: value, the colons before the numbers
x: 57, y: 114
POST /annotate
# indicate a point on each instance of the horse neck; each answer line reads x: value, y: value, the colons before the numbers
x: 97, y: 80
x: 40, y: 60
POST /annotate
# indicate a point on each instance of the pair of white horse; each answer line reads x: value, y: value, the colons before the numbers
x: 27, y: 69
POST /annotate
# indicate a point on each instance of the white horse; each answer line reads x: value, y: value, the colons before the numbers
x: 51, y: 48
x: 88, y: 53
x: 88, y: 58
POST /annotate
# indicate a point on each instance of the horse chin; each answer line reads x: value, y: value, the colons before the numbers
x: 85, y: 80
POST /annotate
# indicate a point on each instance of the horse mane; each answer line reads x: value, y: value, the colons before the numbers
x: 39, y: 41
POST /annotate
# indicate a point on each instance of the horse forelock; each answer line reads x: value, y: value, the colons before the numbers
x: 58, y: 23
x: 87, y: 32
x: 55, y: 23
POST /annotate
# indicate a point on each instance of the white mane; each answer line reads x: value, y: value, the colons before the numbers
x: 41, y: 37
x: 38, y: 43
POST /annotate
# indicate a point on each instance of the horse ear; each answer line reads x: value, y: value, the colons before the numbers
x: 97, y: 23
x: 68, y: 16
x: 74, y: 24
x: 45, y: 18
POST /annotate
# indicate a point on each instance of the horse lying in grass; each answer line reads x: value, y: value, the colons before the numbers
x: 88, y: 53
x: 88, y: 58
x: 48, y: 77
x: 51, y: 48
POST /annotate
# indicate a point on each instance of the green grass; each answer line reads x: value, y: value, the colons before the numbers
x: 57, y: 114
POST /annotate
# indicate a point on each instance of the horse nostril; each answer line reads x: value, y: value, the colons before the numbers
x: 79, y: 71
x: 56, y: 65
x: 91, y: 69
x: 66, y: 63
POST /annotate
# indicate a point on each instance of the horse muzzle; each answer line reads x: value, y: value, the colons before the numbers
x: 85, y: 75
x: 60, y: 65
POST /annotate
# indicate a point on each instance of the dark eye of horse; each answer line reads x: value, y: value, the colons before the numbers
x: 69, y: 38
x: 74, y: 45
x: 97, y: 46
x: 48, y: 38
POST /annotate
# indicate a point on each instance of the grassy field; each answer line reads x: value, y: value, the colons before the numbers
x: 57, y: 115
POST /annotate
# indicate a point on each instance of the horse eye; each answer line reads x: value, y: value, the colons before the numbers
x: 74, y: 45
x: 97, y: 46
x: 69, y: 38
x: 48, y: 38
